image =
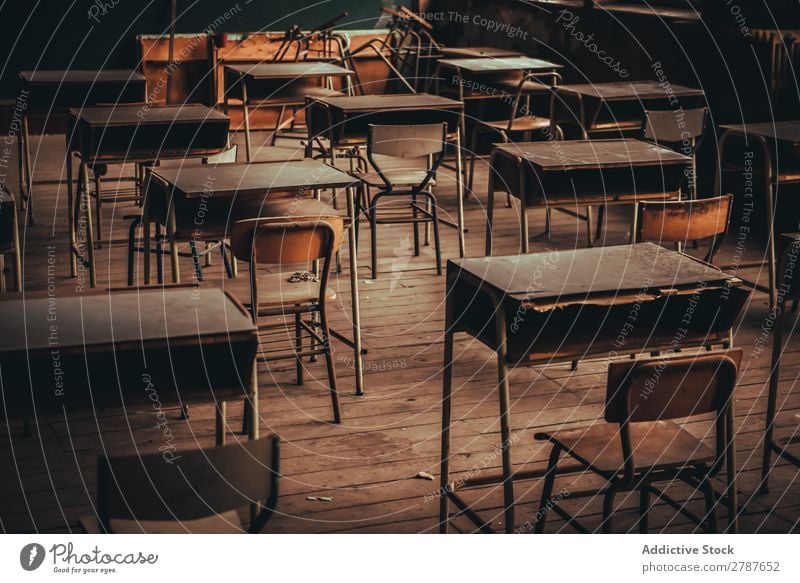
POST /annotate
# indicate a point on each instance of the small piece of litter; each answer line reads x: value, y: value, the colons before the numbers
x: 425, y: 476
x: 319, y: 498
x: 369, y: 281
x: 311, y: 498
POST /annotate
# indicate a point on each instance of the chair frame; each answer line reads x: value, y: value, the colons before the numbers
x: 420, y: 214
x: 107, y: 481
x: 717, y: 238
x: 319, y: 331
x: 698, y: 475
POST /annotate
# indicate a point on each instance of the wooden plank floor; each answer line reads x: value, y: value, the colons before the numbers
x: 368, y: 465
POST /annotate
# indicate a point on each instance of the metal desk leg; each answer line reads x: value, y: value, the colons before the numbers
x: 490, y: 211
x: 28, y: 171
x: 252, y: 428
x: 770, y: 194
x: 146, y: 242
x: 462, y: 248
x: 246, y: 116
x: 252, y: 398
x: 524, y: 239
x: 73, y: 262
x: 85, y: 204
x: 730, y: 471
x: 505, y: 413
x: 447, y: 407
x: 173, y: 246
x: 220, y: 423
x: 772, y: 400
x: 350, y: 194
x: 22, y: 169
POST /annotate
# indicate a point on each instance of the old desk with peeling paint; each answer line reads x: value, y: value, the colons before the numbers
x: 565, y: 306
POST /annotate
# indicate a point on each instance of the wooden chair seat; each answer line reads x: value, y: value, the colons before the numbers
x: 275, y: 289
x: 657, y: 445
x: 397, y: 178
x: 224, y: 523
x: 526, y: 123
x: 619, y: 124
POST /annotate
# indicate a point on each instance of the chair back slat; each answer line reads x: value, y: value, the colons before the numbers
x: 285, y: 241
x: 407, y: 141
x: 681, y: 221
x: 675, y: 127
x: 187, y: 485
x: 670, y: 388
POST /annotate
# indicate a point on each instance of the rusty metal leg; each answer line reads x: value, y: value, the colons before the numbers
x: 447, y: 394
x: 772, y: 400
x: 730, y: 471
x: 505, y: 414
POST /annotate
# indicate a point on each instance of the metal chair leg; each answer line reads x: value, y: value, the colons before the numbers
x: 326, y: 339
x: 608, y: 509
x: 547, y: 491
x: 644, y: 508
x: 298, y: 346
x: 373, y: 226
x: 135, y: 223
x: 436, y: 242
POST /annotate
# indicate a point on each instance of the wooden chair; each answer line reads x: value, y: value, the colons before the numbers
x: 284, y: 241
x: 640, y: 445
x: 403, y: 142
x: 9, y: 239
x: 195, y: 492
x: 685, y: 220
x: 789, y: 280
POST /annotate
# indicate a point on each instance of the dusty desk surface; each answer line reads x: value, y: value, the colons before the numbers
x: 587, y: 154
x: 247, y: 178
x: 596, y: 271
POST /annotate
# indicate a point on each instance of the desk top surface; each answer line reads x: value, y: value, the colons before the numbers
x: 592, y: 154
x: 362, y: 103
x: 82, y: 76
x: 108, y: 320
x: 469, y: 52
x: 784, y: 131
x: 245, y: 178
x: 141, y: 115
x: 500, y: 64
x: 289, y: 70
x: 624, y: 90
x: 556, y: 276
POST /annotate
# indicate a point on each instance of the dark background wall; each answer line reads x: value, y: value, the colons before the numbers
x: 59, y: 34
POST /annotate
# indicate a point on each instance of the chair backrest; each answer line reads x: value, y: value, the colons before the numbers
x: 407, y: 141
x: 685, y: 220
x: 189, y: 485
x: 286, y: 240
x: 227, y: 156
x: 669, y: 388
x: 684, y: 128
x: 658, y: 389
